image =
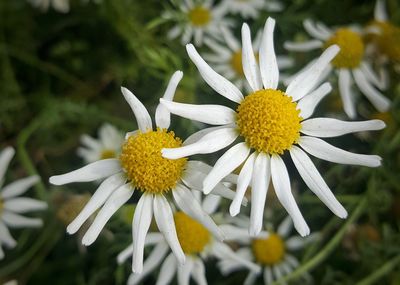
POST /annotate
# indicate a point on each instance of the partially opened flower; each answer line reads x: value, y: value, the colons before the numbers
x: 61, y: 6
x: 197, y: 243
x: 251, y: 8
x: 226, y: 58
x: 196, y: 20
x: 141, y: 167
x: 108, y: 144
x: 11, y: 206
x: 272, y: 250
x: 351, y: 64
x: 269, y: 122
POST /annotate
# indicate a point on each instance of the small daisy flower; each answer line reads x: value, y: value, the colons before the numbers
x: 141, y: 167
x: 227, y: 59
x: 251, y: 8
x: 197, y: 20
x: 269, y: 122
x: 271, y: 250
x: 108, y: 145
x: 61, y: 6
x: 350, y: 64
x: 11, y: 206
x: 197, y: 243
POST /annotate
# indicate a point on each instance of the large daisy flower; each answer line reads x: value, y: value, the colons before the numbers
x: 197, y: 20
x: 271, y: 250
x: 61, y: 6
x: 108, y: 145
x: 11, y: 206
x: 141, y: 167
x: 197, y: 243
x: 226, y: 58
x: 269, y: 122
x: 251, y: 8
x: 350, y: 64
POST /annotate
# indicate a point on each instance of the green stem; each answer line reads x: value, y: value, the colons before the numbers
x: 382, y: 271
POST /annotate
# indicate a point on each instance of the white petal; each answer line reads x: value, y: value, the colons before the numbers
x: 230, y: 39
x: 19, y: 187
x: 306, y: 80
x: 325, y: 151
x: 277, y: 272
x: 315, y: 30
x: 184, y: 272
x: 199, y: 272
x: 380, y: 13
x: 251, y: 278
x: 188, y: 204
x: 208, y: 114
x: 315, y: 182
x: 102, y: 193
x: 303, y: 46
x: 5, y: 236
x: 140, y: 226
x: 260, y: 183
x: 380, y: 102
x: 167, y: 271
x: 163, y: 117
x: 113, y: 203
x: 5, y: 157
x: 23, y: 205
x: 139, y: 110
x: 372, y: 76
x: 125, y: 254
x: 345, y: 83
x: 195, y: 137
x: 250, y: 66
x: 280, y: 179
x: 268, y: 64
x: 18, y: 221
x: 166, y: 225
x: 213, y: 79
x: 267, y: 275
x: 210, y: 143
x: 295, y: 243
x: 243, y: 182
x: 211, y: 203
x: 308, y: 103
x: 96, y: 170
x: 285, y: 227
x: 228, y: 162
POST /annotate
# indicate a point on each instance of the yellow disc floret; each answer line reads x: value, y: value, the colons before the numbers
x: 199, y: 16
x: 145, y: 167
x: 192, y: 235
x: 387, y: 40
x: 269, y: 121
x: 351, y: 48
x: 108, y: 153
x: 269, y: 251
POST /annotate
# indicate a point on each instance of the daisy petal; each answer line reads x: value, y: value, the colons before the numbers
x: 260, y: 183
x: 285, y: 226
x: 125, y: 254
x: 268, y: 64
x: 267, y: 276
x: 303, y: 46
x: 18, y: 221
x: 102, y: 193
x: 163, y: 116
x: 326, y: 151
x: 243, y: 182
x: 23, y: 205
x: 199, y: 272
x: 142, y: 116
x: 280, y: 179
x: 18, y: 187
x: 167, y: 271
x: 140, y: 226
x: 5, y: 236
x: 380, y: 11
x: 345, y: 83
x: 208, y: 114
x: 315, y: 182
x: 250, y: 66
x: 372, y: 76
x: 210, y: 143
x: 5, y: 157
x: 93, y: 171
x: 251, y: 278
x: 184, y: 272
x: 315, y: 30
x: 113, y: 203
x: 308, y: 103
x: 195, y: 137
x: 305, y: 81
x: 211, y: 203
x: 217, y: 82
x: 223, y: 251
x: 166, y: 225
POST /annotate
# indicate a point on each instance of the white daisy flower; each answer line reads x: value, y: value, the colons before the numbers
x: 251, y: 8
x: 272, y: 251
x: 108, y: 145
x: 270, y: 123
x: 11, y: 206
x: 140, y: 166
x: 61, y: 6
x: 350, y: 64
x: 197, y: 20
x: 227, y: 59
x: 197, y: 243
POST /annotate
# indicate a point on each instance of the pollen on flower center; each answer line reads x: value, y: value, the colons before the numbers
x: 199, y: 16
x: 269, y: 121
x: 236, y: 62
x: 193, y: 236
x: 351, y: 48
x: 145, y: 167
x: 107, y: 153
x: 269, y: 251
x: 387, y: 40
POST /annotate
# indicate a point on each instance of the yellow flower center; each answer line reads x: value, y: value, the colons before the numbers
x: 269, y: 251
x: 145, y: 167
x: 199, y: 16
x: 388, y: 40
x: 108, y: 153
x: 269, y: 121
x: 236, y: 62
x: 192, y: 235
x: 351, y: 48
